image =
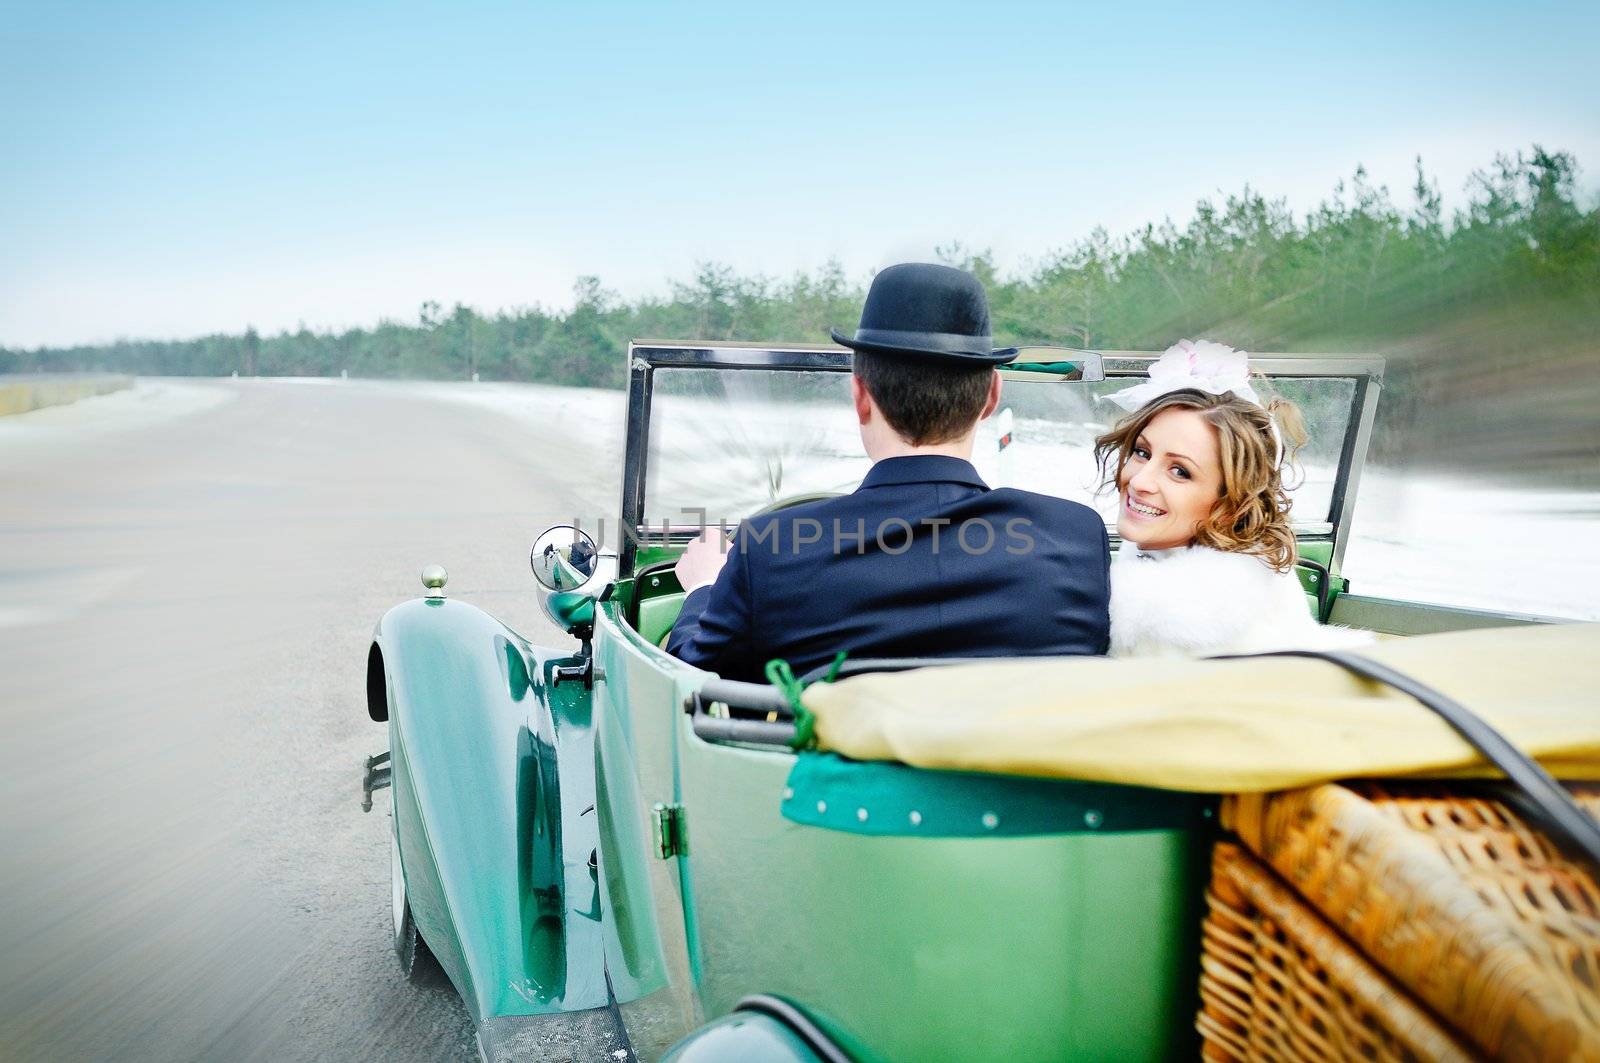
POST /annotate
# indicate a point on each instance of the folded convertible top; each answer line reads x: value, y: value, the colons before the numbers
x: 1230, y: 726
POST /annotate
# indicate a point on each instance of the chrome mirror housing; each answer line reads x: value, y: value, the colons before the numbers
x: 570, y: 570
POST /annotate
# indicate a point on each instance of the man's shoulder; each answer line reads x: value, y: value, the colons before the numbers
x: 791, y: 530
x: 821, y: 509
x: 1062, y: 509
x: 1008, y: 500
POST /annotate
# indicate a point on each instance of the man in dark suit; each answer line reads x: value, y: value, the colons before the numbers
x: 923, y: 559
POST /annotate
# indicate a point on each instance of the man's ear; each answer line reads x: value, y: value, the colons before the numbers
x: 862, y: 399
x: 993, y: 402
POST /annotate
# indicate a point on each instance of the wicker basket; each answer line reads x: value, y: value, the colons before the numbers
x: 1277, y: 984
x: 1454, y: 898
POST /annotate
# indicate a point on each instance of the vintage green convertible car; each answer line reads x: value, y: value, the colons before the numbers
x: 603, y: 846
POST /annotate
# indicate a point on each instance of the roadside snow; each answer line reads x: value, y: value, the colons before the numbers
x: 594, y: 414
x: 147, y: 402
x: 1420, y: 536
x: 1437, y: 538
x: 1417, y: 536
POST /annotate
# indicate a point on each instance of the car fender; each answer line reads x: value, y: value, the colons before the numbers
x: 760, y: 1027
x: 493, y: 788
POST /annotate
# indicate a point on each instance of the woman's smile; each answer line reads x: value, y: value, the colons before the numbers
x: 1143, y: 510
x: 1171, y: 480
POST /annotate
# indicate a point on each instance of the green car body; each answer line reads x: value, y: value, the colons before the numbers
x: 1075, y: 944
x: 569, y: 844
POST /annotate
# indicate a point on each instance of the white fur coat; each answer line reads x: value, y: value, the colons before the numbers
x: 1196, y: 602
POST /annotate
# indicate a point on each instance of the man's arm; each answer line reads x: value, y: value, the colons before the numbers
x: 713, y: 628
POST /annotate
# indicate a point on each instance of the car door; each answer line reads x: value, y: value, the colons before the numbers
x: 638, y: 698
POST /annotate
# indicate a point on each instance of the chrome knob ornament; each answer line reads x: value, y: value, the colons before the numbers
x: 433, y: 579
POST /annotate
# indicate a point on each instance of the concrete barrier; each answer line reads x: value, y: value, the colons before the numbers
x: 20, y: 394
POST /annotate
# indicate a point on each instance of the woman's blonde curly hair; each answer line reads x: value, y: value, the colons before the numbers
x: 1251, y: 515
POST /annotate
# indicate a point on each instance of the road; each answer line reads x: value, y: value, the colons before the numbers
x: 191, y: 575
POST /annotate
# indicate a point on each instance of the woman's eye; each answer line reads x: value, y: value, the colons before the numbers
x: 1141, y: 453
x: 1180, y: 472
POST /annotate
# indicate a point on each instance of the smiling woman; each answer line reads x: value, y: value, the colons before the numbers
x: 1199, y: 472
x: 1170, y: 481
x: 1194, y: 467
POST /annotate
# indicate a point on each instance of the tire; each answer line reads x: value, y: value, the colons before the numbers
x: 417, y: 962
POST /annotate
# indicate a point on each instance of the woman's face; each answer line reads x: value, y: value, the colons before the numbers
x: 1170, y: 482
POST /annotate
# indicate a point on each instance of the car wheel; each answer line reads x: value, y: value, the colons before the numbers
x: 417, y: 963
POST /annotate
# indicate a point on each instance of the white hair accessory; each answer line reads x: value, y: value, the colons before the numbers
x: 1197, y: 365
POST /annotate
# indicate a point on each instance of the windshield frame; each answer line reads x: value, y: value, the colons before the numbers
x: 646, y: 356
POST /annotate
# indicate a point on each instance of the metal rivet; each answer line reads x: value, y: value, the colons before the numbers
x: 861, y: 815
x: 916, y: 818
x: 1091, y: 818
x: 822, y: 806
x: 655, y: 581
x: 788, y: 793
x: 990, y: 821
x: 1206, y: 812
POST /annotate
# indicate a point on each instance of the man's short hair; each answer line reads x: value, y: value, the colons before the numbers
x: 927, y: 403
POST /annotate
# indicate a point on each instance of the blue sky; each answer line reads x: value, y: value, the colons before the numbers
x: 176, y: 169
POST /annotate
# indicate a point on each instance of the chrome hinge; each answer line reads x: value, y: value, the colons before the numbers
x: 671, y: 831
x: 585, y: 671
x: 374, y: 776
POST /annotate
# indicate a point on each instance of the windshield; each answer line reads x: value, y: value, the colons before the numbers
x: 729, y: 442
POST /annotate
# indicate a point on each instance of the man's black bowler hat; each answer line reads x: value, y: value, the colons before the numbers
x: 927, y: 312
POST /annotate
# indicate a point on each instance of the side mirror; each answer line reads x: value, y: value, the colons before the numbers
x: 570, y: 570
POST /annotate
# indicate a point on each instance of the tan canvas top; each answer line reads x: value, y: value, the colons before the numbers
x: 1230, y: 726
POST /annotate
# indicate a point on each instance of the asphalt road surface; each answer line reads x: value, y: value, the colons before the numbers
x: 189, y: 577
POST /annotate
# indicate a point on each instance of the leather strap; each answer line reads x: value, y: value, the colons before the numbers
x: 1572, y: 827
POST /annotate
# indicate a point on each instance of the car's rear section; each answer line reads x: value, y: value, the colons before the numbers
x: 908, y: 913
x: 1009, y: 860
x: 924, y: 914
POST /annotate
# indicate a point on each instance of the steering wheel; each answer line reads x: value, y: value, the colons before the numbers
x: 775, y: 506
x: 791, y: 501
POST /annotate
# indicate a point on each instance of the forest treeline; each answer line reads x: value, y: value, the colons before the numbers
x: 1490, y: 315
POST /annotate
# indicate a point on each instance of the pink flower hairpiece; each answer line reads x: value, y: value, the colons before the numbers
x: 1198, y: 365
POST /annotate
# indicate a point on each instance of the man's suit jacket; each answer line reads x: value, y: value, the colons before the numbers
x: 922, y: 560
